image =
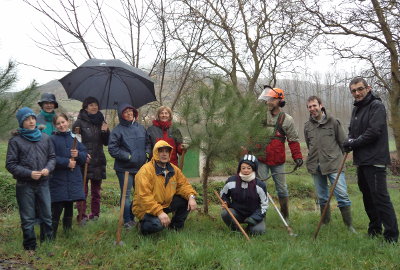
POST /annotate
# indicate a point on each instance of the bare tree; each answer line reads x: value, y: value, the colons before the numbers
x: 246, y: 39
x: 372, y: 30
x: 140, y: 32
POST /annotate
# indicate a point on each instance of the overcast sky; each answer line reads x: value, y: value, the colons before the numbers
x: 17, y: 31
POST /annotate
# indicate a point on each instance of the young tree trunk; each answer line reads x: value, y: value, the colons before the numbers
x: 204, y: 180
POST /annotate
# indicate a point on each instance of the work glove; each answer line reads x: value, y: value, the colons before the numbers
x: 348, y: 145
x: 298, y: 162
x: 250, y: 221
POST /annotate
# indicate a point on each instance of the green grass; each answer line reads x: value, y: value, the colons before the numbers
x: 205, y: 242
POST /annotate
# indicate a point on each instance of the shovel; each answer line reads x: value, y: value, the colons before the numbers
x: 288, y: 228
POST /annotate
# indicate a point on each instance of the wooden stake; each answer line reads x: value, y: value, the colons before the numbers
x: 121, y: 210
x: 232, y: 216
x: 330, y: 196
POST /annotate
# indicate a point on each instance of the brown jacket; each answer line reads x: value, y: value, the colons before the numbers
x: 324, y: 142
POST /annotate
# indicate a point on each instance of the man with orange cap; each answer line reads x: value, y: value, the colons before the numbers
x: 281, y: 127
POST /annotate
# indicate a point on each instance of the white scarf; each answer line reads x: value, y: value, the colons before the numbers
x: 248, y: 178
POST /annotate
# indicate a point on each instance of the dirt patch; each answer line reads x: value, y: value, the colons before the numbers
x: 15, y: 263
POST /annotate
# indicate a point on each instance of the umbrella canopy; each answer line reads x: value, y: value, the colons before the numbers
x: 111, y: 82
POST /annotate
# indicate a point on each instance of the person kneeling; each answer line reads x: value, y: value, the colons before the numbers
x: 161, y: 188
x: 246, y: 197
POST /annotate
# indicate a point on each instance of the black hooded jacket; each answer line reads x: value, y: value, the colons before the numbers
x: 368, y: 128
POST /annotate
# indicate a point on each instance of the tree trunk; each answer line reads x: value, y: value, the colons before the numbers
x: 395, y: 115
x: 204, y: 180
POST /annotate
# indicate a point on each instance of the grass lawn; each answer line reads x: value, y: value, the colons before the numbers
x: 206, y: 243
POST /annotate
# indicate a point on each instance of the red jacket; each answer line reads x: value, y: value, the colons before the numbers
x: 165, y: 131
x: 275, y: 153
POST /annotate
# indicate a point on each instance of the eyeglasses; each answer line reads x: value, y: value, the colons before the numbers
x: 359, y: 89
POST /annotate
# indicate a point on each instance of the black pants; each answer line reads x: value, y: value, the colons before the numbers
x: 56, y: 210
x: 152, y: 224
x: 377, y: 204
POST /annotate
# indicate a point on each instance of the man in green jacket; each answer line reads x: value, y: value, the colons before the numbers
x: 324, y: 136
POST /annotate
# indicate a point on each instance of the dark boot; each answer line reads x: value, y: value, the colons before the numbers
x: 284, y: 202
x: 347, y: 220
x: 55, y: 227
x: 67, y: 224
x: 327, y: 217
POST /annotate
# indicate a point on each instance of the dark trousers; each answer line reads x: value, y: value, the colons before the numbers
x: 152, y: 224
x: 56, y: 210
x: 95, y: 189
x: 377, y: 204
x: 259, y: 228
x: 31, y: 196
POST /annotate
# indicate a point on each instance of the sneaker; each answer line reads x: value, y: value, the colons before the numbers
x: 93, y: 218
x: 129, y: 225
x: 83, y: 221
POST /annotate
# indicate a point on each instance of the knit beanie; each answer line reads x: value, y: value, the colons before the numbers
x: 250, y: 160
x: 24, y: 113
x: 90, y: 100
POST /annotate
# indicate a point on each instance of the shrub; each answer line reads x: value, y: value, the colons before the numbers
x: 8, y: 200
x: 211, y: 187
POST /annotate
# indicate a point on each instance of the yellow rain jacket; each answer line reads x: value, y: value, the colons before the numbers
x: 153, y: 190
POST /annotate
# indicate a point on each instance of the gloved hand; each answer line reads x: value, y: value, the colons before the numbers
x: 348, y: 145
x: 298, y: 162
x: 250, y: 221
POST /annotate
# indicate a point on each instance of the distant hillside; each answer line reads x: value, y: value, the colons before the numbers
x: 57, y: 89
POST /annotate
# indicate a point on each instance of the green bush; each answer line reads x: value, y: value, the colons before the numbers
x: 8, y: 200
x: 211, y: 187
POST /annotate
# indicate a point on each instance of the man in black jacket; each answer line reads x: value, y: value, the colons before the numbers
x: 368, y: 139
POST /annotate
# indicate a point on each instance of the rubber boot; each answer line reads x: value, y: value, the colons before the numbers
x: 55, y: 227
x: 327, y: 217
x: 347, y: 219
x: 284, y: 202
x: 67, y: 224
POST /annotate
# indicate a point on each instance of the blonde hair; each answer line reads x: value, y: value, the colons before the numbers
x: 168, y: 109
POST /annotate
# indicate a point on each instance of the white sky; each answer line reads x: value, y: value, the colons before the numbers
x: 17, y: 31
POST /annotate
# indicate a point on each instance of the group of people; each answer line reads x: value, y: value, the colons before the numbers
x: 49, y: 169
x: 54, y: 165
x: 327, y: 142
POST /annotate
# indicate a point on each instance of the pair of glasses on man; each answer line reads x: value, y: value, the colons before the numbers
x: 359, y: 89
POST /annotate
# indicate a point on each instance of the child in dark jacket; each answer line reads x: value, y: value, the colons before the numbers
x: 246, y: 197
x: 66, y: 184
x: 30, y: 159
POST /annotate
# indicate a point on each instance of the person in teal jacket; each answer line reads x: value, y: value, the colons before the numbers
x: 48, y: 104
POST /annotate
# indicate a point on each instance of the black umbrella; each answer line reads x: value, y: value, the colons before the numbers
x: 112, y: 82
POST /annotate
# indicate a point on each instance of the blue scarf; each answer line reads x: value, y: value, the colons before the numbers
x: 33, y: 135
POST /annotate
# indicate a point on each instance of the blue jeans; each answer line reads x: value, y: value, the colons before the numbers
x: 31, y: 195
x: 322, y: 188
x: 128, y: 215
x: 279, y: 179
